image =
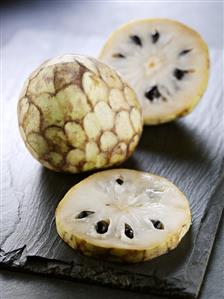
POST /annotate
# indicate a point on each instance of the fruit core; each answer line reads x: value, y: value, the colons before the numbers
x: 153, y: 64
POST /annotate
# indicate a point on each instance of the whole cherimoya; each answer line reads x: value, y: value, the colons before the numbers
x: 76, y: 114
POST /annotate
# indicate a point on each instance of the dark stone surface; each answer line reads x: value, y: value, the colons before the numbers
x: 15, y: 285
x: 189, y: 152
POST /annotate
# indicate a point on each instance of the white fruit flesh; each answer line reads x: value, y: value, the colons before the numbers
x: 148, y: 54
x: 155, y: 211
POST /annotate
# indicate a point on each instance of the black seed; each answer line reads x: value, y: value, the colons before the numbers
x: 184, y: 52
x: 128, y: 231
x: 136, y: 39
x: 119, y: 181
x: 102, y: 227
x: 118, y: 55
x: 179, y: 74
x: 152, y: 93
x: 157, y: 224
x: 84, y: 214
x: 155, y: 37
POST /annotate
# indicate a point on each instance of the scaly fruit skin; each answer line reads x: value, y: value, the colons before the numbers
x: 132, y: 254
x: 186, y: 37
x: 76, y: 114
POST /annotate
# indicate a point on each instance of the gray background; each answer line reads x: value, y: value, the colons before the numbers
x: 82, y: 27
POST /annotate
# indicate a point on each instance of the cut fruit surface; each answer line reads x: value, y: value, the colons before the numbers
x: 123, y: 215
x: 166, y: 62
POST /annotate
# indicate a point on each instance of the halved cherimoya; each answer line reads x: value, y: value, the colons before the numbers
x: 165, y: 62
x: 123, y: 215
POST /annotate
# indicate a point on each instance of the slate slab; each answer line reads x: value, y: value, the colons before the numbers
x: 189, y: 152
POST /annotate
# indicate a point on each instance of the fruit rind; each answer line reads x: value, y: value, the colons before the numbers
x: 65, y: 105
